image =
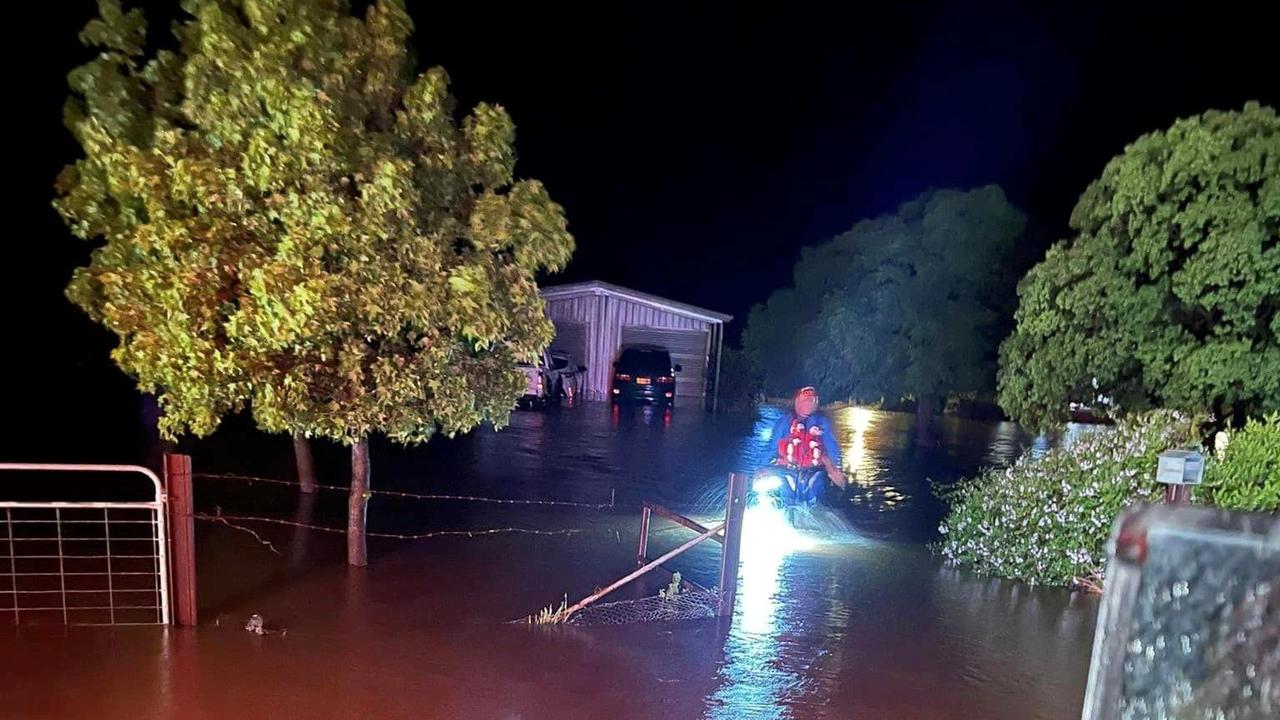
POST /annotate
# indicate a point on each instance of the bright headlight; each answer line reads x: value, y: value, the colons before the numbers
x: 767, y: 484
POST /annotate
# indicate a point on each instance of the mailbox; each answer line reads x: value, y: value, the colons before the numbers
x: 1180, y: 467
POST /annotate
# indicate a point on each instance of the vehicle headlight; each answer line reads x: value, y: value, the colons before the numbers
x: 767, y: 484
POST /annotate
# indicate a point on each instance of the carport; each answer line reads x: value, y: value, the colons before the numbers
x: 595, y: 320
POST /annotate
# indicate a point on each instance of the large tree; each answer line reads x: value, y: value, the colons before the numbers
x: 917, y: 314
x: 1169, y: 293
x: 903, y: 306
x: 293, y: 221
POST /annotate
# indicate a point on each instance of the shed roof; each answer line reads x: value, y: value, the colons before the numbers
x: 597, y: 287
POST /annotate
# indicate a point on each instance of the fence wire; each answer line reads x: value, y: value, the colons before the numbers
x: 231, y: 520
x: 228, y: 519
x: 413, y: 496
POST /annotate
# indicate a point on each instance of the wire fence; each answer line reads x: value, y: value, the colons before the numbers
x: 416, y: 496
x: 233, y: 521
x: 227, y: 519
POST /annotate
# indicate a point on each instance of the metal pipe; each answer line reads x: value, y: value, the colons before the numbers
x: 715, y: 393
x: 680, y: 520
x: 734, y: 515
x: 111, y: 597
x: 13, y: 566
x: 638, y: 572
x: 56, y: 467
x: 642, y: 550
x: 140, y: 505
x: 62, y: 570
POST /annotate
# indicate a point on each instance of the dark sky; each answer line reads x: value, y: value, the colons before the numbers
x: 696, y: 151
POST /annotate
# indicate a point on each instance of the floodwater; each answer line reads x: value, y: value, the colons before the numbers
x: 853, y: 620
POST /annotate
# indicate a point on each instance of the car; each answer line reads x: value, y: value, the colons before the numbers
x: 548, y: 380
x: 644, y: 373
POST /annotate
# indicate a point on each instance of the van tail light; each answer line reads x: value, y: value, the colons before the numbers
x: 622, y: 376
x: 666, y: 380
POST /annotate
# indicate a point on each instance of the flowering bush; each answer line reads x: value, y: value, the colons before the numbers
x: 1247, y: 475
x: 1046, y: 520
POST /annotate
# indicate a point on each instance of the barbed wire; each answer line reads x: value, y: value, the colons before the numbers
x: 225, y: 519
x: 416, y: 496
x: 219, y: 518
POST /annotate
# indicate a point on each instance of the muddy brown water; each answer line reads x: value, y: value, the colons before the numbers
x: 858, y: 620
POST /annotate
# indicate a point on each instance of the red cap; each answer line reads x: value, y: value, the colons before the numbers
x: 806, y: 391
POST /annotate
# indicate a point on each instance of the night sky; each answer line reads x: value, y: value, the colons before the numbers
x: 696, y: 151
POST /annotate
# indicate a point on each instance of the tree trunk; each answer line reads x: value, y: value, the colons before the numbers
x: 924, y: 422
x: 357, y: 504
x: 305, y: 515
x: 306, y: 468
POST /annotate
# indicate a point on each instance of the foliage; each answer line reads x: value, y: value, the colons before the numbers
x: 1247, y: 475
x: 551, y: 615
x: 740, y: 384
x: 293, y: 220
x: 901, y: 305
x: 775, y: 330
x: 1169, y: 294
x: 1046, y: 520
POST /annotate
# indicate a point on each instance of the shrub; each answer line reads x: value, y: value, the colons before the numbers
x: 1247, y: 475
x: 1047, y: 520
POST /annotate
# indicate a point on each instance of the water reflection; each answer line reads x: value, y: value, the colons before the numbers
x: 768, y: 539
x: 757, y: 677
x: 852, y: 425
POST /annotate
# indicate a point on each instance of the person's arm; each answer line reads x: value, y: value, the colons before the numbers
x: 834, y: 472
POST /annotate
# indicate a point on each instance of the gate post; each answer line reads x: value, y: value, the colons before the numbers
x: 177, y: 482
x: 735, y: 511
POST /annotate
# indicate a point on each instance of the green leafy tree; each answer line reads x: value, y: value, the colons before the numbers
x: 901, y: 306
x: 740, y: 385
x: 293, y: 221
x: 774, y: 329
x: 1168, y: 295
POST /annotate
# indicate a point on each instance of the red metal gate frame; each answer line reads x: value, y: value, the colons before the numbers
x: 727, y: 533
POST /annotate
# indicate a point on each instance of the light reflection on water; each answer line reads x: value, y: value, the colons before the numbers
x: 788, y: 617
x: 753, y: 678
x: 889, y: 475
x: 819, y: 611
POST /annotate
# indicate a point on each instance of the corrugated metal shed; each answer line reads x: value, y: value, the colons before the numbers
x: 595, y: 320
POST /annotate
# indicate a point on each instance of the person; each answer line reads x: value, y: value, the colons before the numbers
x: 807, y: 452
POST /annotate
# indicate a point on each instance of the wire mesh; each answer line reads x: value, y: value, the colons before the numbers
x: 688, y: 605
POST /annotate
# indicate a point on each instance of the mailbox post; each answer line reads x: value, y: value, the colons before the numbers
x: 1178, y: 471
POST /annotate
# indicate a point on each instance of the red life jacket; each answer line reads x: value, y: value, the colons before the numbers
x: 801, y: 448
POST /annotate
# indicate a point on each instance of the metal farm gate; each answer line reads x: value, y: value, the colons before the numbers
x: 84, y: 562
